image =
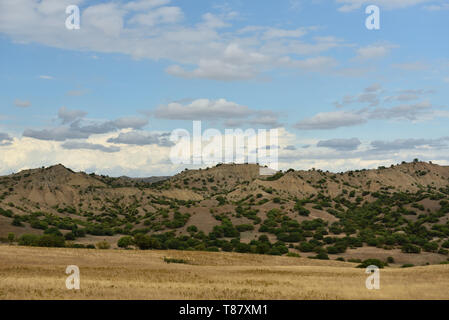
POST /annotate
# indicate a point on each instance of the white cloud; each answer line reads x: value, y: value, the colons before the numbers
x: 411, y: 66
x: 271, y: 33
x: 152, y: 29
x: 96, y: 154
x: 22, y: 103
x: 203, y: 109
x: 330, y: 120
x: 76, y: 145
x: 5, y: 139
x: 340, y: 144
x: 373, y: 52
x: 351, y: 5
x: 46, y: 77
x: 158, y: 16
x: 145, y: 4
x: 68, y: 116
x: 437, y: 7
x: 310, y: 64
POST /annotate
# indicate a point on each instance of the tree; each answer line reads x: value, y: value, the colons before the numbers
x: 125, y: 242
x: 301, y: 210
x: 50, y: 240
x: 69, y: 236
x: 144, y: 242
x: 192, y: 229
x: 371, y: 262
x: 11, y: 237
x: 17, y: 222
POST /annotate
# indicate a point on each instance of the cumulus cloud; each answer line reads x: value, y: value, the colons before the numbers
x: 214, y: 69
x: 142, y: 139
x: 158, y: 16
x: 202, y: 109
x: 55, y: 134
x: 68, y: 116
x: 71, y: 145
x: 420, y: 111
x: 401, y: 144
x: 76, y: 127
x: 233, y: 114
x: 5, y: 139
x: 340, y: 144
x: 260, y: 119
x: 330, y: 120
x: 413, y: 112
x: 370, y: 95
x: 155, y: 30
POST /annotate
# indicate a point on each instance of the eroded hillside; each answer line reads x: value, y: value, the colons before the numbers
x: 400, y: 211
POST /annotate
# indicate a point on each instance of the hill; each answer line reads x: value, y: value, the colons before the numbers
x: 400, y: 212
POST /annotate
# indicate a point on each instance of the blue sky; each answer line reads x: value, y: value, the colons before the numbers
x: 104, y: 98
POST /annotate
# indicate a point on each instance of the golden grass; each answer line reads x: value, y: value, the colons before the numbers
x: 39, y: 273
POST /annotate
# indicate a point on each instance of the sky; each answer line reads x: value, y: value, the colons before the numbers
x: 106, y: 97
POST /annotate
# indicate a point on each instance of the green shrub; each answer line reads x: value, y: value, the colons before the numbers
x: 301, y: 210
x: 11, y: 237
x: 410, y: 248
x: 103, y: 245
x: 50, y: 240
x: 390, y: 260
x: 54, y: 231
x: 227, y: 246
x: 242, y: 247
x: 244, y: 227
x: 28, y: 240
x: 17, y: 222
x: 369, y: 262
x: 293, y: 254
x: 306, y: 247
x: 407, y: 265
x: 125, y: 242
x: 192, y: 229
x: 69, y: 236
x: 144, y: 242
x: 173, y: 260
x: 321, y: 256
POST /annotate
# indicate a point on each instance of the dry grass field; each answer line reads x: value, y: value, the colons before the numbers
x: 39, y: 273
